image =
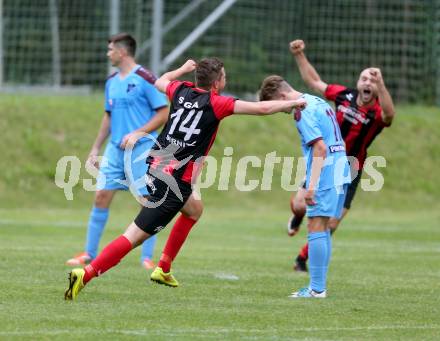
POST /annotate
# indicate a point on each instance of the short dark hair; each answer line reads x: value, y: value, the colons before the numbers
x: 124, y: 40
x: 271, y: 87
x: 208, y: 70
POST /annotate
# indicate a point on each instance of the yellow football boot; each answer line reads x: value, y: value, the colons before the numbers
x: 161, y: 277
x: 75, y: 284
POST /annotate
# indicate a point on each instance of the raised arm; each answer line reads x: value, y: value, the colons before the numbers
x: 385, y: 100
x: 163, y: 81
x: 307, y: 71
x: 267, y: 107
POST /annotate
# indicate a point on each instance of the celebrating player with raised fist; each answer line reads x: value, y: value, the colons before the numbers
x: 361, y: 112
x: 174, y: 162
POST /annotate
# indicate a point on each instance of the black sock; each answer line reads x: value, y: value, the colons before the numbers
x: 296, y: 221
x: 301, y: 259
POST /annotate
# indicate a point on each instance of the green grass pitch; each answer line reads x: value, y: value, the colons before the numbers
x: 235, y: 273
x: 236, y: 268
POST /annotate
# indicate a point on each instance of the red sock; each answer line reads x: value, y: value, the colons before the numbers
x: 175, y: 241
x: 304, y: 253
x: 108, y: 258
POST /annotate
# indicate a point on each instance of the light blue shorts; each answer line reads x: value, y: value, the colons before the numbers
x: 329, y: 202
x: 115, y: 174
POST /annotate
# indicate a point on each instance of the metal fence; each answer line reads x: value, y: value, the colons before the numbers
x: 63, y: 42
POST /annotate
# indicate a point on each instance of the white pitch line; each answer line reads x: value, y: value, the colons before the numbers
x: 143, y: 332
x: 226, y: 276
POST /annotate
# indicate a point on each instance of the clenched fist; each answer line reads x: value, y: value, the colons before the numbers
x: 376, y: 76
x: 189, y: 66
x: 297, y: 46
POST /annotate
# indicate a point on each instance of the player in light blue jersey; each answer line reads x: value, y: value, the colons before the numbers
x: 327, y: 175
x: 134, y: 110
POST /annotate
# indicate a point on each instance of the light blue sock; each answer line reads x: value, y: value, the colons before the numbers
x: 318, y: 256
x: 148, y: 248
x: 329, y: 252
x: 97, y: 220
x: 329, y: 246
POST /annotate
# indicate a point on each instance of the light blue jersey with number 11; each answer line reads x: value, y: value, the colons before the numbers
x: 318, y: 121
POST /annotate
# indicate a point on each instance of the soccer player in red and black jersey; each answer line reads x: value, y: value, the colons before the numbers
x: 174, y: 162
x: 362, y: 113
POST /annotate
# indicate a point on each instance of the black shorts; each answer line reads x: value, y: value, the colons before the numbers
x: 162, y: 203
x: 351, y: 191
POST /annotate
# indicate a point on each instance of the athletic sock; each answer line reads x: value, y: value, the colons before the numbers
x: 317, y: 260
x: 175, y: 241
x: 329, y: 253
x: 296, y: 221
x: 97, y: 220
x: 108, y: 258
x: 304, y: 253
x: 148, y: 248
x: 329, y: 246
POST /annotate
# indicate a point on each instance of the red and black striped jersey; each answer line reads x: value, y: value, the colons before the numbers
x: 185, y: 140
x: 359, y: 124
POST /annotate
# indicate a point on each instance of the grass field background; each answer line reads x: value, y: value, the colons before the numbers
x: 236, y: 268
